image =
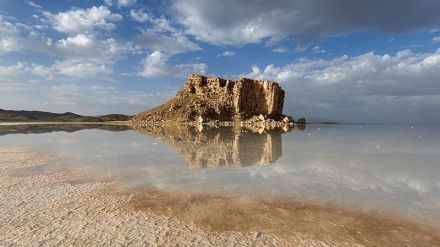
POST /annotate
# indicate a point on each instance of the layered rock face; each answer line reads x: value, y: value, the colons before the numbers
x: 236, y: 97
x: 211, y: 98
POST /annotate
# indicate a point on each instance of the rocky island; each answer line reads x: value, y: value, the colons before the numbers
x: 212, y: 99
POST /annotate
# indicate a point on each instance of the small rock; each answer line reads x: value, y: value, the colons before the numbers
x: 287, y: 120
x: 302, y: 121
x: 261, y: 117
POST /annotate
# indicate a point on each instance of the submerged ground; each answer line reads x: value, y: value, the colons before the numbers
x: 69, y: 193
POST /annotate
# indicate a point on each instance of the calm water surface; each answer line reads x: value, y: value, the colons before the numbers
x: 395, y: 169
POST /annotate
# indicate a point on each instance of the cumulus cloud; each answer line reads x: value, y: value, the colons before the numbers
x: 155, y: 65
x: 42, y: 71
x: 81, y: 69
x: 83, y: 20
x: 80, y: 40
x: 84, y: 52
x: 362, y: 84
x: 240, y: 22
x: 9, y: 71
x: 372, y: 73
x: 75, y: 67
x: 89, y: 46
x: 10, y: 36
x: 16, y: 36
x: 139, y: 15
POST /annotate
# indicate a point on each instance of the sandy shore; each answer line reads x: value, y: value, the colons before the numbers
x: 56, y: 210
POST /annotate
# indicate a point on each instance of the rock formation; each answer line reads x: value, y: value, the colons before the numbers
x: 205, y: 146
x: 207, y: 99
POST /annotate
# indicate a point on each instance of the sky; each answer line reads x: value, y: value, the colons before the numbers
x: 351, y: 61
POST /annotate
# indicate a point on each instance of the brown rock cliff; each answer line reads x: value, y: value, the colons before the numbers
x: 211, y: 98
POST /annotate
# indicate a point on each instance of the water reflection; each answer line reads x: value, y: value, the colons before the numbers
x: 40, y: 128
x: 205, y: 146
x: 391, y: 167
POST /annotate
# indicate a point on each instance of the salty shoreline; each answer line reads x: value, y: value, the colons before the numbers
x: 55, y: 209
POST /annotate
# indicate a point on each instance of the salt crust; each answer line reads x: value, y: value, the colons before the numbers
x: 47, y: 210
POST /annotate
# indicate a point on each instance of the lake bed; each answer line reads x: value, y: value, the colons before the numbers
x: 349, y: 183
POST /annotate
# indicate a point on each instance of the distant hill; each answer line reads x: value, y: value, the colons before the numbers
x: 28, y: 116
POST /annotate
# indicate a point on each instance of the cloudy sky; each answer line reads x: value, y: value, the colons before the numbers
x: 345, y: 60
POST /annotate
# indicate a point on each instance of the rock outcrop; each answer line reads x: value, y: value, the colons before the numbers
x: 207, y: 99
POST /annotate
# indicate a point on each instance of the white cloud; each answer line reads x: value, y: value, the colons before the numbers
x: 66, y: 88
x: 172, y: 44
x: 126, y: 3
x: 162, y: 24
x: 80, y: 40
x: 436, y: 39
x: 9, y: 71
x: 155, y: 65
x: 42, y: 71
x: 32, y: 4
x: 88, y: 46
x: 226, y: 54
x: 14, y: 87
x: 120, y: 3
x: 281, y: 49
x: 162, y: 35
x: 406, y: 83
x: 84, y: 51
x: 317, y: 50
x: 65, y: 94
x: 108, y: 2
x: 139, y: 15
x: 15, y: 36
x: 83, y: 20
x: 369, y: 68
x: 81, y: 69
x: 10, y: 36
x: 76, y: 68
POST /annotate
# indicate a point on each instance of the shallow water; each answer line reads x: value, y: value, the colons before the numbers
x: 391, y: 169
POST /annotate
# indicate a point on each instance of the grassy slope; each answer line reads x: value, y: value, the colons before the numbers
x: 21, y: 116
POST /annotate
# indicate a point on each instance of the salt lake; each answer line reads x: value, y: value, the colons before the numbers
x: 387, y: 169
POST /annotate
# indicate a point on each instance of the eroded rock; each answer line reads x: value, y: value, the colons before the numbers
x: 215, y: 98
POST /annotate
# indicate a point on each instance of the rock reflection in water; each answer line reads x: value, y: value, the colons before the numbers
x: 205, y: 146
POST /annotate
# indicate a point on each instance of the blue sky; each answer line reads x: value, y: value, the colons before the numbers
x: 354, y: 61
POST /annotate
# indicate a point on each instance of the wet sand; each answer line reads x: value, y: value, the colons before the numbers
x: 58, y: 210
